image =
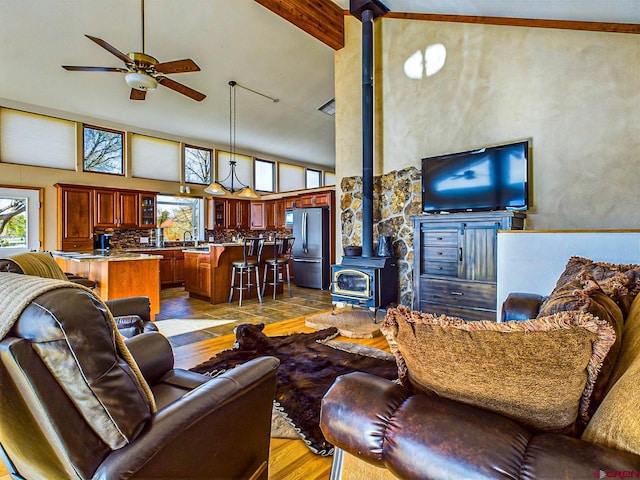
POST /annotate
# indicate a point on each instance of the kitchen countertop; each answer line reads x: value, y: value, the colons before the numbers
x: 111, y: 256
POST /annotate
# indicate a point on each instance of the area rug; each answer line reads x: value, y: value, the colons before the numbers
x: 177, y: 326
x: 351, y: 322
x: 307, y: 369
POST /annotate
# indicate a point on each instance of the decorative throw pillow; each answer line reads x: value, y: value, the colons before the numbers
x: 539, y: 372
x: 621, y: 282
x: 584, y: 294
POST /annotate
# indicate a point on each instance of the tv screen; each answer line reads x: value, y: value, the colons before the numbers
x: 491, y: 178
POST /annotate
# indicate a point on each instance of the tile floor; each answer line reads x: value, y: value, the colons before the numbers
x: 175, y: 303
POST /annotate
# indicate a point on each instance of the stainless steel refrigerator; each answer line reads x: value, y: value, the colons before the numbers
x: 311, y: 248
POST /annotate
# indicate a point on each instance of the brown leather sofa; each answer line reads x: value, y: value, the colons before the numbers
x: 60, y: 370
x: 384, y: 431
x: 132, y: 315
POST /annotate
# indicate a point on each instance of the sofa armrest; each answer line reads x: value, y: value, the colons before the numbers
x: 221, y: 427
x: 521, y: 306
x: 417, y: 436
x: 130, y: 306
x: 153, y: 355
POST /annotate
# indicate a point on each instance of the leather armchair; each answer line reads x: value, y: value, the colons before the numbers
x: 132, y: 315
x: 59, y: 364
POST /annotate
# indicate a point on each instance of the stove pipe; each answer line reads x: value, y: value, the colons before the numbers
x: 366, y: 11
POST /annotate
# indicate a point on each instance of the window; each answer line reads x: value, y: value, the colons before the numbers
x: 291, y: 177
x: 37, y: 140
x: 313, y: 178
x: 244, y: 165
x: 181, y: 217
x: 264, y: 172
x: 329, y: 178
x: 155, y: 158
x: 197, y: 165
x: 19, y: 220
x: 102, y: 150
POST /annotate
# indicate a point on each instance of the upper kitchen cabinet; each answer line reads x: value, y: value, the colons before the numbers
x: 258, y: 215
x: 274, y: 212
x: 116, y: 208
x: 147, y: 210
x: 75, y: 220
x: 228, y: 213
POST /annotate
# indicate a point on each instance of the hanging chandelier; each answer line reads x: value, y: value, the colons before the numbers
x: 217, y: 188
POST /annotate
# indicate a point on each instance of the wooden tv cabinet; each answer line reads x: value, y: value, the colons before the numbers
x: 454, y: 266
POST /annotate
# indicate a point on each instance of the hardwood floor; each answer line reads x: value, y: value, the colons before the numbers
x: 288, y: 459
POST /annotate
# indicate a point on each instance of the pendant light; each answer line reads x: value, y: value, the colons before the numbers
x: 216, y: 188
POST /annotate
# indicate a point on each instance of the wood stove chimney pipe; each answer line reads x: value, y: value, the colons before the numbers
x: 367, y: 11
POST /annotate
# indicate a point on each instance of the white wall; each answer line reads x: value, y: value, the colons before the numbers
x: 532, y: 261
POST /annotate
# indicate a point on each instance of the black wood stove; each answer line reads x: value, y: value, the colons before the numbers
x: 370, y: 282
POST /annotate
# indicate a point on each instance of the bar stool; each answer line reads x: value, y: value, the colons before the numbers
x: 250, y: 263
x: 282, y: 248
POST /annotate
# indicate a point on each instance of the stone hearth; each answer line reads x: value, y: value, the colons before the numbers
x: 396, y: 197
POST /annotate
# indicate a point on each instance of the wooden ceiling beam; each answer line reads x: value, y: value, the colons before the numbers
x: 322, y: 19
x: 522, y: 22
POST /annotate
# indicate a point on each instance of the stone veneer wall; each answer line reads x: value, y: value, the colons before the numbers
x: 396, y: 197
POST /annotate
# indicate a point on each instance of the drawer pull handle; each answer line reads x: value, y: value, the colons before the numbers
x: 439, y: 253
x: 457, y: 293
x: 440, y: 268
x: 438, y: 238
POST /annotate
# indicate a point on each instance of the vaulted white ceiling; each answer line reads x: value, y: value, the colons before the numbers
x: 230, y: 40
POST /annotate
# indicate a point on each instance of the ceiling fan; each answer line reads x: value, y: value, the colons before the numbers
x: 143, y: 72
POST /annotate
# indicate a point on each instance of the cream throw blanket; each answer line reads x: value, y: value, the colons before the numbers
x: 40, y: 264
x: 17, y: 291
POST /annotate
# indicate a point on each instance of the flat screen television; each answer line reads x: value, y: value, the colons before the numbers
x: 490, y: 178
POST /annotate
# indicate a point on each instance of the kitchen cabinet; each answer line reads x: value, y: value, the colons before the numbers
x: 171, y: 266
x: 228, y: 213
x: 116, y: 208
x: 75, y: 220
x: 258, y: 215
x: 274, y: 213
x: 148, y: 214
x: 315, y: 199
x: 455, y: 267
x: 197, y: 271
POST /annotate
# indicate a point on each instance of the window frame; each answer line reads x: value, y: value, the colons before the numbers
x: 306, y: 177
x: 273, y: 174
x: 122, y: 149
x: 184, y: 171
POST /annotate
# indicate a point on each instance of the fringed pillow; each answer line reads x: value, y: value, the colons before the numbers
x: 620, y: 281
x: 539, y: 372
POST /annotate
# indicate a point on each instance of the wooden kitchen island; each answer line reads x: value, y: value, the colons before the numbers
x: 117, y: 274
x: 207, y: 271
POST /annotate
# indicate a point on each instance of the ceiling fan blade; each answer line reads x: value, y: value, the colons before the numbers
x: 73, y: 68
x: 137, y: 94
x: 177, y: 66
x: 180, y: 88
x: 113, y: 50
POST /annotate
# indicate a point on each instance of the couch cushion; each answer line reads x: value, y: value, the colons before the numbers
x: 539, y: 372
x: 621, y: 282
x: 616, y: 423
x: 583, y: 293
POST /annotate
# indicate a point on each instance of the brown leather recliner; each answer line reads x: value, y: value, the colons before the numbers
x: 72, y: 408
x: 132, y: 315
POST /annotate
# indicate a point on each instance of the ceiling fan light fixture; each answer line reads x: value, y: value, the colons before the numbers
x: 141, y: 81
